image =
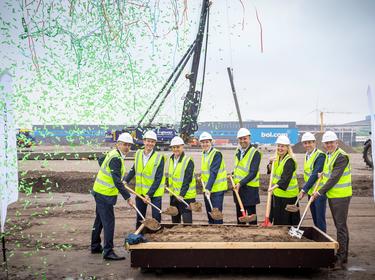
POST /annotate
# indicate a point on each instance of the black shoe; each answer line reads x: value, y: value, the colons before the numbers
x: 97, y: 251
x: 339, y: 265
x: 113, y: 257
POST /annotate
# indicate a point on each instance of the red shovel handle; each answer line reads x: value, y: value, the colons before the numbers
x: 242, y: 209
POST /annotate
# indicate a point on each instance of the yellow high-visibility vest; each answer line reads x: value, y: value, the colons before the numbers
x: 292, y: 190
x: 343, y: 188
x: 176, y: 178
x: 104, y: 183
x: 308, y: 167
x: 242, y: 167
x: 145, y: 175
x: 220, y: 183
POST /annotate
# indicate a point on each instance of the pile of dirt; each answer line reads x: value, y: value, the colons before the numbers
x: 82, y: 182
x: 222, y: 233
x: 298, y: 148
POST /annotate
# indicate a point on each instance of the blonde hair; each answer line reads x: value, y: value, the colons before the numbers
x: 290, y: 152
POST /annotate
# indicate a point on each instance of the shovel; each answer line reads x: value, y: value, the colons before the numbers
x: 245, y: 218
x: 194, y: 206
x: 151, y: 224
x: 267, y: 222
x: 215, y: 212
x: 292, y: 207
x: 171, y: 210
x: 296, y: 231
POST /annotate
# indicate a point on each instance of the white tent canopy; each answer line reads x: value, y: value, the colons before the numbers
x: 8, y: 148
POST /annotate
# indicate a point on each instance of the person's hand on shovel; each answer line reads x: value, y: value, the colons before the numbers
x: 270, y: 189
x: 237, y: 186
x: 147, y: 199
x: 315, y: 196
x: 272, y: 159
x: 301, y: 195
x: 207, y: 193
x: 130, y: 202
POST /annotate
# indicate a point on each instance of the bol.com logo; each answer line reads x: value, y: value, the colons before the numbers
x: 272, y: 134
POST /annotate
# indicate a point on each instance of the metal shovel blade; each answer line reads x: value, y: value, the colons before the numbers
x: 292, y: 208
x: 247, y: 219
x: 171, y: 210
x: 196, y: 206
x: 295, y: 232
x: 151, y: 224
x: 216, y: 214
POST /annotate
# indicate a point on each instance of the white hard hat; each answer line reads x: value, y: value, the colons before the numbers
x: 283, y: 139
x: 308, y: 136
x: 243, y: 132
x: 205, y: 136
x: 329, y: 136
x: 150, y: 135
x: 126, y: 138
x: 176, y: 141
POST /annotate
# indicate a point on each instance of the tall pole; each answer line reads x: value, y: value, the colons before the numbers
x: 230, y: 74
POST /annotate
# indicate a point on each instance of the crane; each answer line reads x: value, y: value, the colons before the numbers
x: 193, y: 98
x: 321, y: 115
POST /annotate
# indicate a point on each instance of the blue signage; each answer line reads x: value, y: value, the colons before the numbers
x: 258, y: 135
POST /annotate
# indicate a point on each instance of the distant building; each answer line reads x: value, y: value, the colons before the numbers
x: 352, y: 134
x: 262, y: 132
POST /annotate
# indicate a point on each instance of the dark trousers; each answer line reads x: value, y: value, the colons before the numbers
x: 142, y: 207
x: 105, y: 219
x: 318, y: 212
x: 217, y: 202
x: 250, y: 209
x: 339, y: 208
x: 183, y: 212
x: 279, y: 216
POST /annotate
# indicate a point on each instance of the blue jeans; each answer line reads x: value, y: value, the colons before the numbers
x: 142, y: 207
x: 217, y: 202
x: 318, y: 212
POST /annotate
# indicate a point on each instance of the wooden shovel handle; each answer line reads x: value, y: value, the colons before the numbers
x: 204, y: 193
x: 176, y: 196
x: 309, y: 203
x: 141, y: 227
x: 315, y: 189
x: 143, y: 199
x: 237, y: 194
x: 269, y: 195
x: 203, y: 184
x: 133, y: 192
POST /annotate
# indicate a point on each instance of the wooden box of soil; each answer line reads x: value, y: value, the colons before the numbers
x: 232, y: 246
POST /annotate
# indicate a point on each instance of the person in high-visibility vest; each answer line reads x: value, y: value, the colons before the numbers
x: 181, y: 181
x: 246, y: 174
x: 313, y: 164
x: 284, y: 184
x: 213, y: 175
x: 108, y: 184
x: 148, y: 170
x: 337, y: 186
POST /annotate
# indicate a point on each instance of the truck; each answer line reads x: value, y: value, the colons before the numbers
x: 164, y: 133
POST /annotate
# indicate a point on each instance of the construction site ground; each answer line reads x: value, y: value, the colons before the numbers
x: 49, y: 228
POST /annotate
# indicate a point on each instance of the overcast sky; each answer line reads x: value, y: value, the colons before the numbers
x: 317, y: 55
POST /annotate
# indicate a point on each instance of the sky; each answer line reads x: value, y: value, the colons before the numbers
x: 318, y: 56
